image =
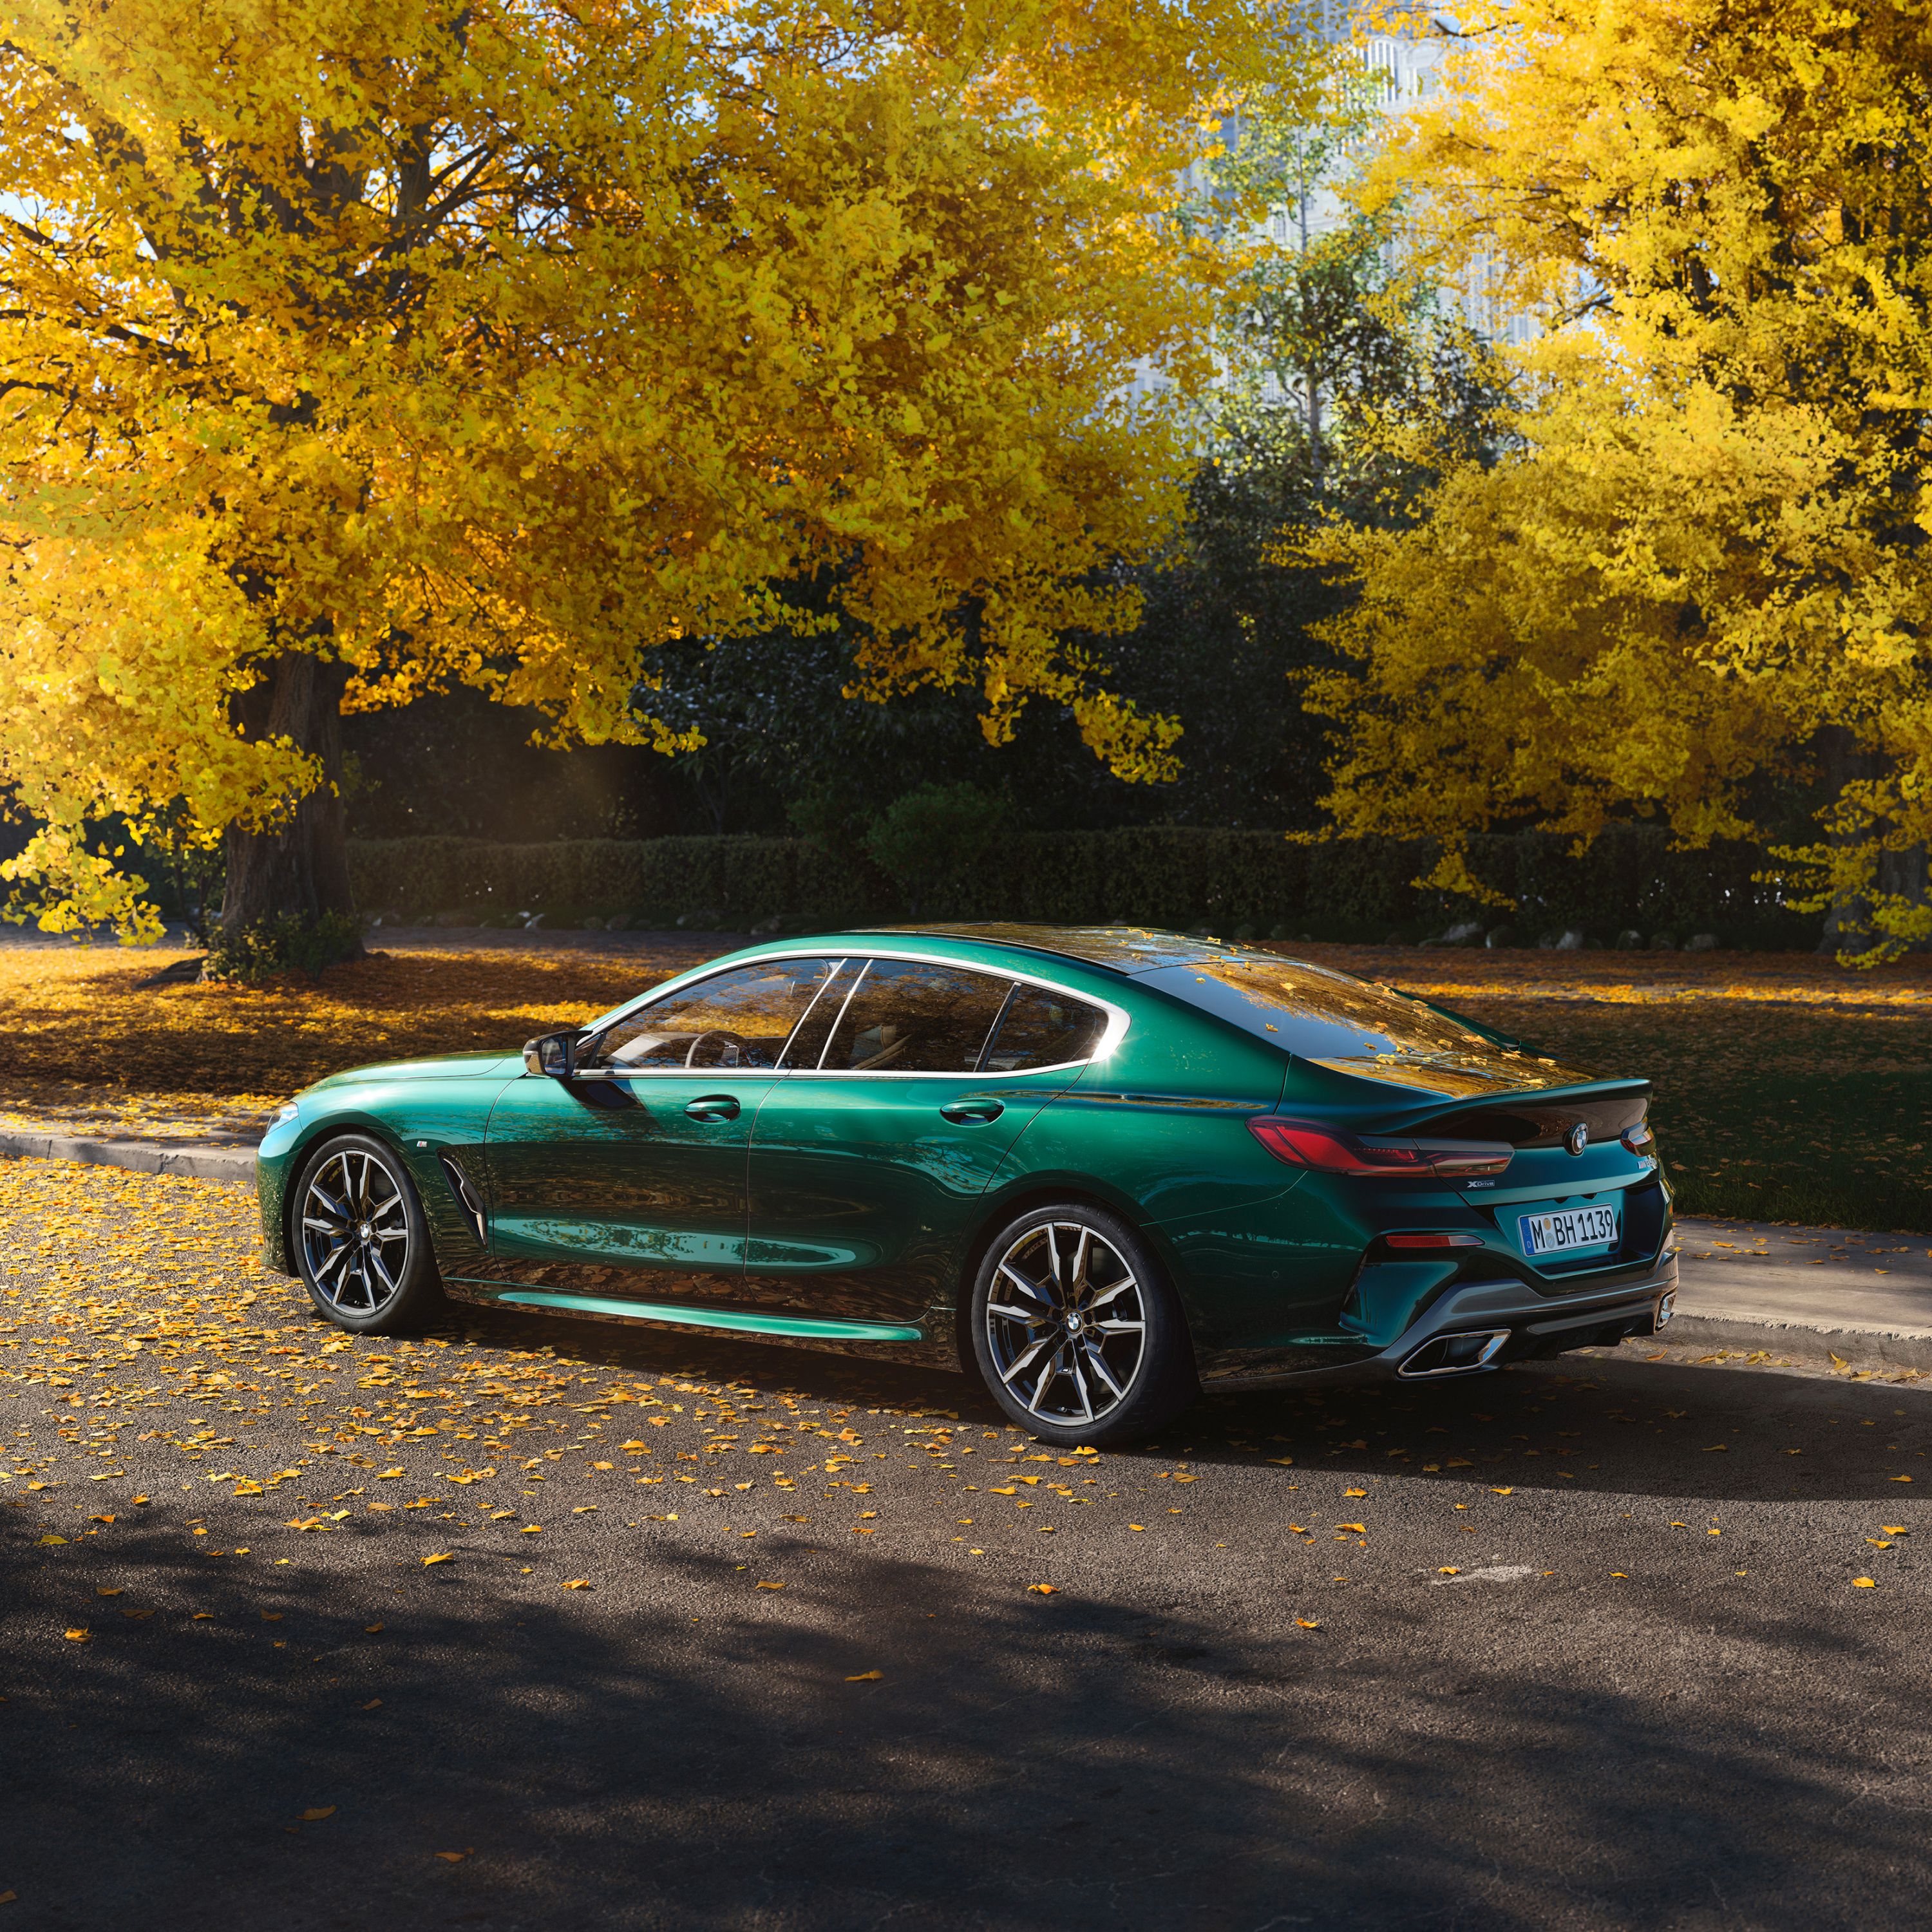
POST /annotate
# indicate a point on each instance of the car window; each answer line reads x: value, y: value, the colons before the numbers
x: 915, y: 1016
x: 1355, y: 1026
x: 1043, y: 1028
x: 739, y: 1018
x: 808, y: 1037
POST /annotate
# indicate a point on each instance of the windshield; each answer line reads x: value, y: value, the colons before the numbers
x: 1355, y: 1026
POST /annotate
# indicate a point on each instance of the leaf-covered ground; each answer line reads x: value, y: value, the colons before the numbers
x: 1787, y: 1087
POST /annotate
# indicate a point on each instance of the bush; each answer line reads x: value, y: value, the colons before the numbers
x: 955, y: 859
x: 945, y: 847
x: 283, y: 943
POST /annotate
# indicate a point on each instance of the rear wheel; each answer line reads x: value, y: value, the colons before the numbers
x: 1077, y: 1334
x: 361, y: 1243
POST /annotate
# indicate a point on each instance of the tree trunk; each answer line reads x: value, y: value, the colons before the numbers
x: 300, y: 869
x: 1848, y: 925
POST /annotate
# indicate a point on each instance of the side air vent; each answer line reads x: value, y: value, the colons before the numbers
x: 467, y: 1199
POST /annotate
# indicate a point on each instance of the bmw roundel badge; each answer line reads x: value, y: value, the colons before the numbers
x: 1578, y: 1137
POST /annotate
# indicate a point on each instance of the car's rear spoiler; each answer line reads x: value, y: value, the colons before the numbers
x: 1597, y: 1102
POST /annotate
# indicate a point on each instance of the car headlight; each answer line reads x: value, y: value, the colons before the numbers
x: 287, y: 1111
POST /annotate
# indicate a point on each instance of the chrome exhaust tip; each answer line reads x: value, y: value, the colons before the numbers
x: 1462, y: 1354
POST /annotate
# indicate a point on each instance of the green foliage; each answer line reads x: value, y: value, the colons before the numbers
x: 943, y: 843
x: 283, y: 943
x: 1236, y: 883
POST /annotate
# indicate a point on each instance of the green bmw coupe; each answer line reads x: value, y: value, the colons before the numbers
x: 1103, y: 1168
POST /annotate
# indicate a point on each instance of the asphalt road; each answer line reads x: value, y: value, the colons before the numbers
x: 1578, y: 1645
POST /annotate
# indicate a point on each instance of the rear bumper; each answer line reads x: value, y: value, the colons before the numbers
x: 1504, y: 1321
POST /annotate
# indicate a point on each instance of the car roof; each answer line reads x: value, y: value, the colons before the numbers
x: 1121, y: 949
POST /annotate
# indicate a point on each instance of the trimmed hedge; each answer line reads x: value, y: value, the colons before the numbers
x: 1236, y: 883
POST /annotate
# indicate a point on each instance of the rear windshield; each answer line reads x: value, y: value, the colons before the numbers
x: 1353, y: 1026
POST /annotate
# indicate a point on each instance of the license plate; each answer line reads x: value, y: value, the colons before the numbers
x: 1569, y: 1232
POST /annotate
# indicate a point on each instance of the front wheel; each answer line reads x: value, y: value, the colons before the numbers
x: 361, y: 1242
x: 1077, y: 1333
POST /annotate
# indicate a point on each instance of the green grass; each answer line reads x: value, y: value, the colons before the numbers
x: 1768, y: 1110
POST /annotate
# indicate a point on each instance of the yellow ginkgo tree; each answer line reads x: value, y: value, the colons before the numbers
x: 350, y: 347
x: 1695, y: 572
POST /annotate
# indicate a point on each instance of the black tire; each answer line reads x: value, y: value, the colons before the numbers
x: 1079, y: 1288
x: 360, y: 1239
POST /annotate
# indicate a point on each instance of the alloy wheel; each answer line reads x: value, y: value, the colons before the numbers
x: 355, y: 1233
x: 1066, y: 1323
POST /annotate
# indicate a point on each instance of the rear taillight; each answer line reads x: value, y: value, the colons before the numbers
x: 1639, y: 1139
x: 1304, y: 1144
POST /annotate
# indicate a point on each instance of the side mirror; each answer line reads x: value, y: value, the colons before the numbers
x: 554, y: 1054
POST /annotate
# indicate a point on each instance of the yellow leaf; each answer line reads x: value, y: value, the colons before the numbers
x: 769, y: 1586
x: 1360, y: 1528
x: 578, y: 1583
x: 868, y: 1677
x: 76, y: 1636
x: 1044, y: 1589
x: 1309, y: 1623
x: 316, y: 1813
x: 441, y: 1556
x: 1355, y: 1492
x: 387, y: 1475
x: 1502, y: 1493
x: 48, y: 1541
x: 532, y: 1529
x: 374, y: 1704
x: 370, y: 1630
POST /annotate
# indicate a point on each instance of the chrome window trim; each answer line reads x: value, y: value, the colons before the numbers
x: 1118, y: 1019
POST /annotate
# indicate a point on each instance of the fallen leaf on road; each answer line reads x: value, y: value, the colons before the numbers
x: 374, y: 1704
x: 317, y: 1812
x: 1502, y: 1493
x: 1355, y: 1492
x: 868, y: 1677
x: 532, y: 1529
x: 769, y: 1586
x: 1309, y: 1623
x: 48, y: 1541
x: 110, y: 1593
x: 452, y: 1856
x: 441, y: 1556
x: 76, y: 1636
x: 1360, y: 1528
x: 370, y: 1629
x: 1137, y: 1525
x: 1898, y: 1479
x: 271, y: 1616
x: 584, y: 1509
x: 1044, y: 1589
x: 1864, y: 1583
x: 1448, y: 1570
x: 387, y: 1475
x: 578, y: 1583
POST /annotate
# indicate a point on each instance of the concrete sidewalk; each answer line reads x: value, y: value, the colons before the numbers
x: 1816, y: 1291
x: 1811, y: 1291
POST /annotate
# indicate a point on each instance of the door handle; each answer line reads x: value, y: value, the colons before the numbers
x: 972, y: 1113
x: 712, y: 1107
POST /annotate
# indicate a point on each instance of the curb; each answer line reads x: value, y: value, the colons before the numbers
x: 201, y: 1160
x: 1897, y: 1348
